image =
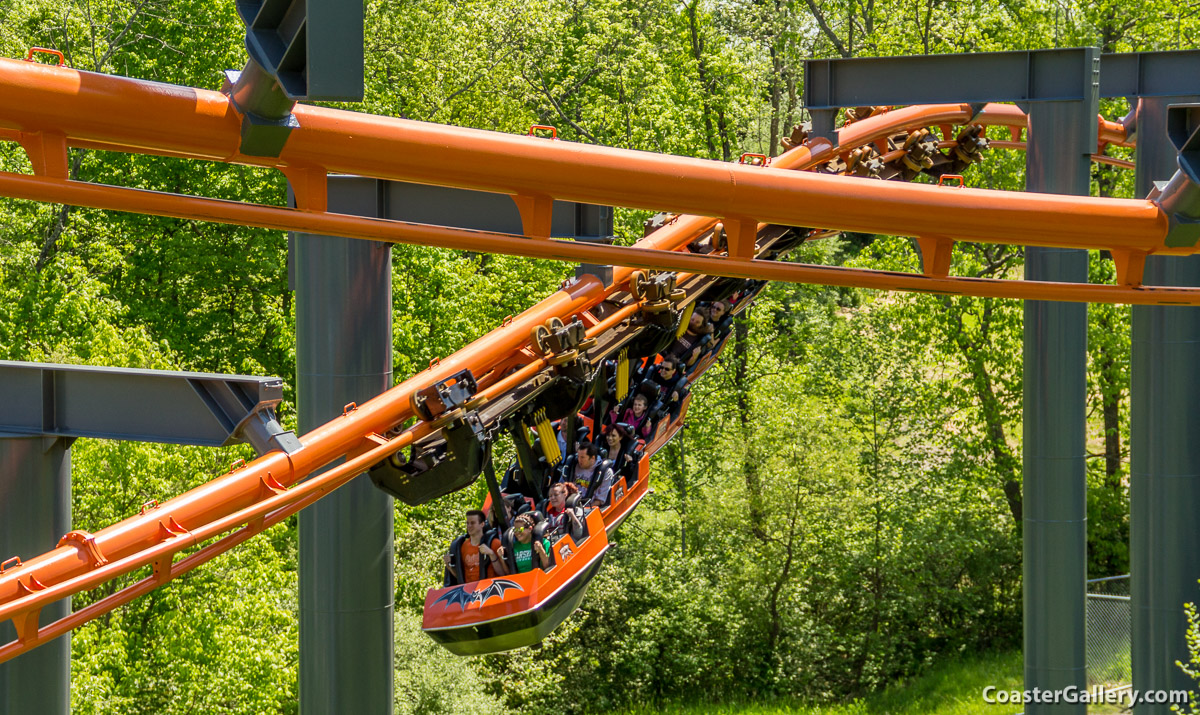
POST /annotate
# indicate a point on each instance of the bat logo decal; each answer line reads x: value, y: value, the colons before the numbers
x: 459, y: 595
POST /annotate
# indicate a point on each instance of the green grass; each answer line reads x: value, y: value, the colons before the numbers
x: 953, y: 687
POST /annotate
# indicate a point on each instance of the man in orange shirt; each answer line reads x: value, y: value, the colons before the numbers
x: 474, y: 556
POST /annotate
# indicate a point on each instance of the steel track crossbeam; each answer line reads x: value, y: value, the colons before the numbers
x: 71, y: 401
x: 189, y: 207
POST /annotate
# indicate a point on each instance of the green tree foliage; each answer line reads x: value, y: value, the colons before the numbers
x: 1192, y: 667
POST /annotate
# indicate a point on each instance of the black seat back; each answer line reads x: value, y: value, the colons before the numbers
x: 596, y: 479
x: 506, y: 541
x: 626, y: 468
x: 567, y: 470
x: 517, y: 482
x: 539, y: 533
x: 653, y: 392
x: 454, y: 572
x: 449, y: 460
x: 581, y: 532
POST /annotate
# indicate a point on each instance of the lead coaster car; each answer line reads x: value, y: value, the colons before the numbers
x: 516, y: 611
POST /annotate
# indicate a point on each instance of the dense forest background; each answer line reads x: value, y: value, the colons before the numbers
x: 843, y: 507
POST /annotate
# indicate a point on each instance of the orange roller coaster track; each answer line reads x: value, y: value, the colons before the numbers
x: 49, y: 109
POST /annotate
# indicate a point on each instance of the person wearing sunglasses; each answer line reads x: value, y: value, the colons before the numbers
x: 525, y: 550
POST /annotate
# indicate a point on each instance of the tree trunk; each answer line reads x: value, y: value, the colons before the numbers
x: 706, y: 85
x: 741, y: 351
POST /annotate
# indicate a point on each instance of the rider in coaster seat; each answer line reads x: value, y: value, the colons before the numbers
x: 581, y: 433
x: 690, y: 345
x: 672, y: 384
x: 623, y: 451
x: 563, y: 514
x: 525, y: 546
x: 473, y: 556
x: 720, y: 316
x: 638, y: 414
x: 593, y: 476
x: 493, y: 527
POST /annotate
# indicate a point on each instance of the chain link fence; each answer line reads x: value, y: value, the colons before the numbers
x: 1109, y: 626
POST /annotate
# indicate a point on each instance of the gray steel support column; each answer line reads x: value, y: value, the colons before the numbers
x: 35, y: 511
x: 343, y: 355
x: 1055, y: 481
x: 1165, y: 420
x: 823, y: 121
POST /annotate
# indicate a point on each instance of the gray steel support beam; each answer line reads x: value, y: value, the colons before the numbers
x: 35, y: 511
x: 1025, y: 76
x: 485, y: 211
x: 206, y: 409
x: 343, y: 355
x: 1165, y: 420
x: 1170, y: 75
x: 43, y: 408
x: 1060, y: 89
x: 1022, y: 76
x: 1061, y: 140
x: 824, y: 122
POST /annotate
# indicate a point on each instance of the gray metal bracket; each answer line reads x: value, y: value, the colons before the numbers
x: 299, y: 50
x: 267, y: 119
x: 312, y: 49
x: 1021, y: 77
x: 70, y: 401
x: 1179, y: 197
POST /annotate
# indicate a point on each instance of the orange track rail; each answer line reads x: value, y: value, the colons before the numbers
x: 41, y: 107
x: 48, y: 109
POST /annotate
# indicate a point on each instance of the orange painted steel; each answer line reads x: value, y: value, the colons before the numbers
x: 86, y: 109
x: 981, y: 215
x: 48, y: 109
x: 630, y: 257
x: 536, y: 585
x: 244, y: 495
x: 1098, y: 158
x: 256, y: 518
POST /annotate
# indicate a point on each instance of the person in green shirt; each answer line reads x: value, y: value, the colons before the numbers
x: 524, y: 549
